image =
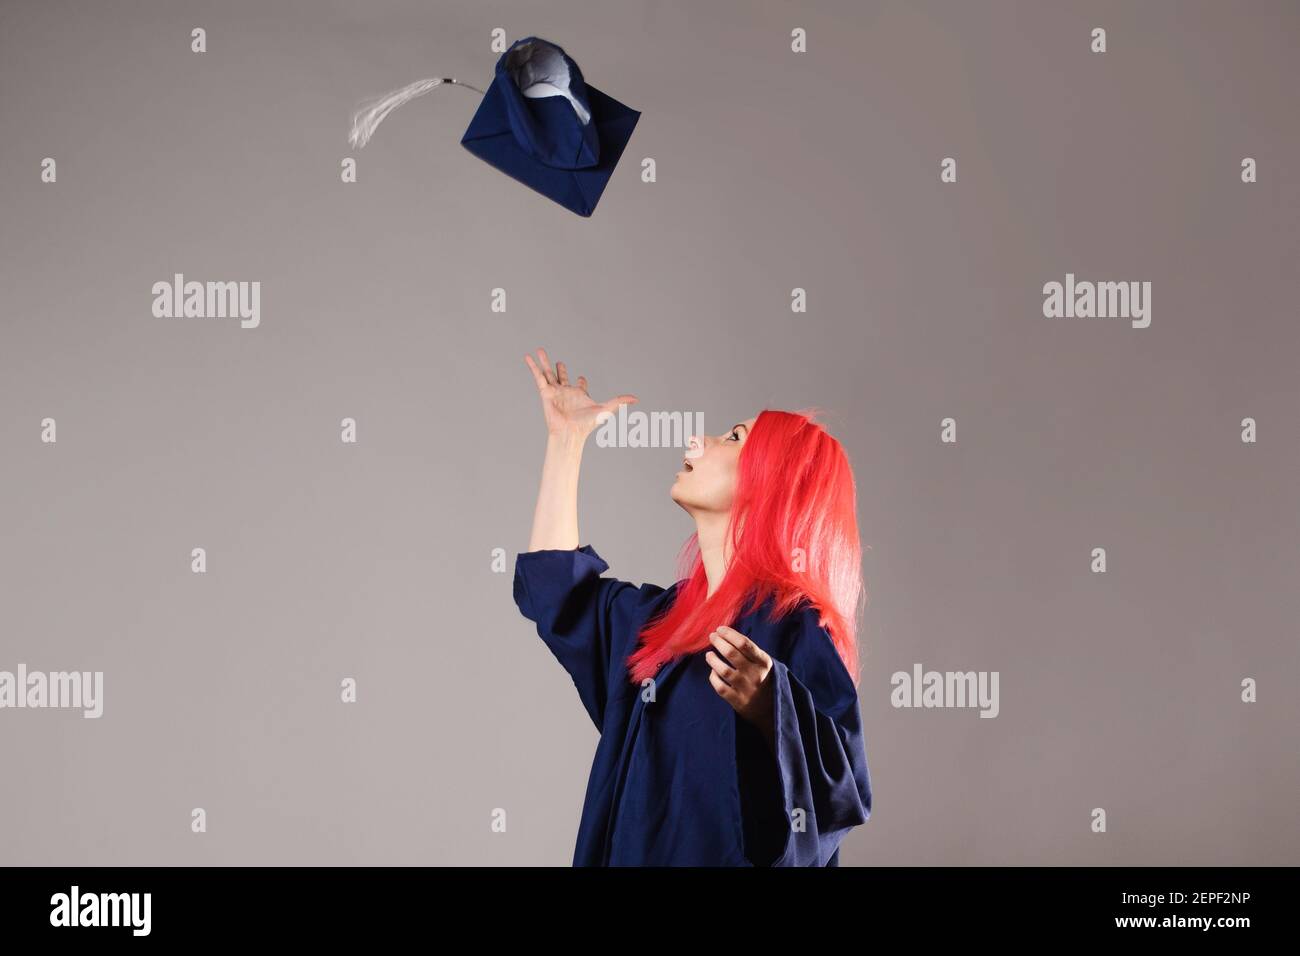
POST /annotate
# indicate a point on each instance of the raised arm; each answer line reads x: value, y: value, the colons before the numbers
x: 571, y: 415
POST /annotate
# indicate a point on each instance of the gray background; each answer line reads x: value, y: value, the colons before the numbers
x: 775, y: 170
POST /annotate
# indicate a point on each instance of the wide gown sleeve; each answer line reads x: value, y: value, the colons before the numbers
x: 586, y: 620
x: 799, y: 803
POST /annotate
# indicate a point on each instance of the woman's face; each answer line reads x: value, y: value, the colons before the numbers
x: 707, y: 481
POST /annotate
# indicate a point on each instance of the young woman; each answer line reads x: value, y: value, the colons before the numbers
x: 727, y: 705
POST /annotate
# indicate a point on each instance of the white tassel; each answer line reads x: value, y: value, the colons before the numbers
x: 367, y: 119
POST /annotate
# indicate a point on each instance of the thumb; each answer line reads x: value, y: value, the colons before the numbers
x: 613, y: 403
x: 608, y: 408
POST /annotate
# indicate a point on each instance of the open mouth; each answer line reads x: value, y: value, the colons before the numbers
x: 686, y: 465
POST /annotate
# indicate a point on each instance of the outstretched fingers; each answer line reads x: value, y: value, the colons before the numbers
x: 544, y: 375
x: 547, y: 370
x: 538, y: 377
x: 541, y: 369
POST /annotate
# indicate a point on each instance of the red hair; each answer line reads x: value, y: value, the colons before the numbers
x: 793, y: 536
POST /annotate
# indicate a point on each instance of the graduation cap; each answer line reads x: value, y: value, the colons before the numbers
x: 539, y: 122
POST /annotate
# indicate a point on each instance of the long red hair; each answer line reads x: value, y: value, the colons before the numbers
x: 793, y: 535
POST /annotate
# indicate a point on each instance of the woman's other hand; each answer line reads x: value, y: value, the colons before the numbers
x: 740, y: 676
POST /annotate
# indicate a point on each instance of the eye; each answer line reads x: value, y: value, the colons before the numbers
x: 735, y: 435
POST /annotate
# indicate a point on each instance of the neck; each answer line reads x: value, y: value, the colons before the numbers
x: 711, y: 531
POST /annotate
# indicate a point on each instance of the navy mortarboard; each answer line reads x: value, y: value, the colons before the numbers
x: 539, y: 122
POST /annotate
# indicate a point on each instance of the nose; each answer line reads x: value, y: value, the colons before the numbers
x: 694, y: 446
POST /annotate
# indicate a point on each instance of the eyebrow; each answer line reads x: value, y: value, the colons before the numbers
x: 740, y: 425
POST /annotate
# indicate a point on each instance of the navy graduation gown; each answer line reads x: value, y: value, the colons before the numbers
x: 683, y: 780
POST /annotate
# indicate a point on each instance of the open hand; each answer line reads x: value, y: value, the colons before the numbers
x: 569, y: 410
